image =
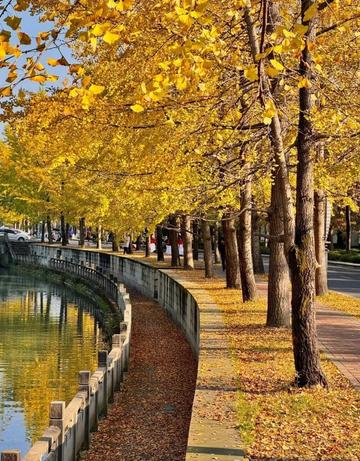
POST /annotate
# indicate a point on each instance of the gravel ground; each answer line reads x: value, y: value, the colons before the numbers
x: 150, y: 418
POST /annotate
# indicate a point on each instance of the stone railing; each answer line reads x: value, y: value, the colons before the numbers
x: 70, y: 425
x: 150, y: 281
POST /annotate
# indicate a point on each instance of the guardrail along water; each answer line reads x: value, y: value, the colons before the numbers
x: 47, y: 334
x: 91, y: 380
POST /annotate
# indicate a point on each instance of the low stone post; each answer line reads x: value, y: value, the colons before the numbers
x: 57, y: 413
x: 103, y: 363
x: 116, y: 342
x: 123, y: 330
x: 10, y: 455
x: 84, y: 386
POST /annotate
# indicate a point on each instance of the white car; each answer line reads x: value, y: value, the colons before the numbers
x: 15, y: 234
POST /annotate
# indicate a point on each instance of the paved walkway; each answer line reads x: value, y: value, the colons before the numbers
x: 339, y: 336
x: 150, y: 418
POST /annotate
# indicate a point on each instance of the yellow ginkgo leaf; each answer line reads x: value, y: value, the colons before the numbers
x: 52, y: 78
x: 181, y: 83
x: 96, y: 89
x: 304, y: 83
x: 39, y: 78
x: 6, y: 91
x: 2, y: 52
x: 251, y: 73
x: 276, y: 64
x: 74, y: 92
x: 137, y: 108
x: 99, y: 29
x: 11, y: 76
x: 111, y: 38
x: 52, y: 62
x: 24, y: 39
x: 13, y: 22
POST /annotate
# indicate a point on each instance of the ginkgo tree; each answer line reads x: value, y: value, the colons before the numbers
x: 185, y: 106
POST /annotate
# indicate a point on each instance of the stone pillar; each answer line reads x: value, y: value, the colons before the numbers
x: 103, y: 363
x: 84, y: 386
x: 57, y: 413
x: 117, y: 343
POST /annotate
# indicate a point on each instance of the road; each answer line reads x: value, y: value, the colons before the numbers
x: 342, y: 278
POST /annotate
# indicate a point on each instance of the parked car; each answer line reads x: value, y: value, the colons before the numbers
x: 15, y: 234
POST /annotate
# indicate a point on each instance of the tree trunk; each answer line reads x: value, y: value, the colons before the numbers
x: 188, y: 241
x: 321, y: 285
x: 43, y: 223
x: 82, y: 232
x: 232, y: 269
x: 196, y: 239
x: 208, y: 258
x: 159, y: 243
x: 278, y: 303
x: 298, y: 239
x: 115, y: 242
x: 147, y: 244
x: 174, y: 237
x: 98, y: 237
x: 49, y: 230
x: 255, y: 244
x: 217, y: 258
x: 63, y: 229
x: 248, y: 284
x: 302, y: 258
x: 348, y: 228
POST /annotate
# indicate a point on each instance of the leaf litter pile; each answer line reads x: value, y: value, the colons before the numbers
x: 277, y: 421
x: 150, y: 418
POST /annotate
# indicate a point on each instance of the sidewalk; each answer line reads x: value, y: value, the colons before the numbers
x: 339, y: 336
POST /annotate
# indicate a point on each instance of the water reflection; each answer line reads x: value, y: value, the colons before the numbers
x: 47, y: 334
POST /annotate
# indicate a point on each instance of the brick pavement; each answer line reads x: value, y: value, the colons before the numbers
x: 339, y: 336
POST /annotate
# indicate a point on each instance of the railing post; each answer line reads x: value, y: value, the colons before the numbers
x: 57, y: 413
x: 123, y: 331
x: 10, y: 455
x: 117, y: 343
x: 103, y: 363
x: 84, y: 385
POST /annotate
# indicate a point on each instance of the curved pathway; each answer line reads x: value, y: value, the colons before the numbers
x: 151, y: 416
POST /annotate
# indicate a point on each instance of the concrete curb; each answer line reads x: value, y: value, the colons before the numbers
x: 343, y: 263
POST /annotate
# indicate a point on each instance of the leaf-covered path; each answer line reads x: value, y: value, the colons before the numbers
x: 151, y: 416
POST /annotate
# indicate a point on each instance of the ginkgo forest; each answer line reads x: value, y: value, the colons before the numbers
x: 226, y: 129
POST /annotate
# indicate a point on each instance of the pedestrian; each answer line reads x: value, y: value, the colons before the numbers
x: 127, y: 244
x: 221, y: 247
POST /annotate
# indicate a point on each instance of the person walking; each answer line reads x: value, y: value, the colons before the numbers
x: 127, y: 244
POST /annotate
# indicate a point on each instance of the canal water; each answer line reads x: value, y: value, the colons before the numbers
x: 48, y: 333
